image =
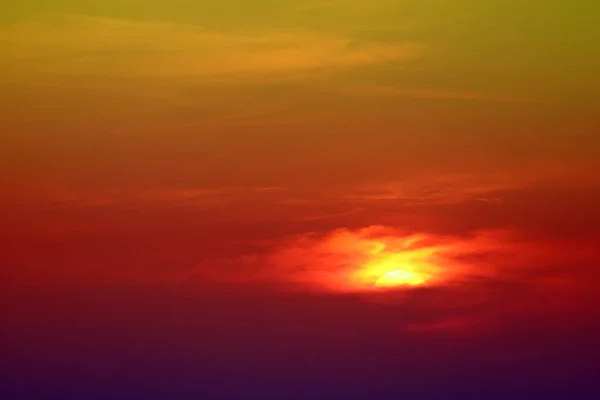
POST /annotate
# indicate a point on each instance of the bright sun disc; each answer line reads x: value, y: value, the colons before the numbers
x: 399, y: 278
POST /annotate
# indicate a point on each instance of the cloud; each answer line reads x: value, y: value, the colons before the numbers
x: 432, y: 191
x: 340, y: 214
x: 454, y: 324
x: 432, y: 94
x: 339, y: 260
x: 479, y: 281
x: 459, y: 186
x: 85, y: 45
x: 114, y: 196
x: 342, y: 8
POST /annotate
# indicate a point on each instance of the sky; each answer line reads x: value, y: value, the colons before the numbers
x: 291, y: 199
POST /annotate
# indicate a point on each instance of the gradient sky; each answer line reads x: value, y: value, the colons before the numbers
x: 187, y: 186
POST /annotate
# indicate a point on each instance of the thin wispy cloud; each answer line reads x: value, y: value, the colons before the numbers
x: 458, y: 187
x: 85, y: 45
x: 354, y: 210
x: 341, y: 6
x: 433, y: 94
x: 100, y: 197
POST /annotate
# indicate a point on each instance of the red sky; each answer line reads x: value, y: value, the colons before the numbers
x: 194, y: 193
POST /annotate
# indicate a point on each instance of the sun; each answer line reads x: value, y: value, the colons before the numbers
x: 396, y: 264
x: 373, y: 260
x: 399, y: 277
x: 386, y: 267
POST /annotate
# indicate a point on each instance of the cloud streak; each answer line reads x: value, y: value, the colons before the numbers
x: 85, y: 45
x: 433, y: 94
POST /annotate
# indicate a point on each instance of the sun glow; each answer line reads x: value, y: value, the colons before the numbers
x: 388, y: 266
x: 399, y: 277
x: 371, y: 259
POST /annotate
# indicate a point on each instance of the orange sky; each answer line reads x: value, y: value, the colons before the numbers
x: 242, y: 148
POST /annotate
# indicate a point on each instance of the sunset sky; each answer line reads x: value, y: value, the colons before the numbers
x: 328, y: 199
